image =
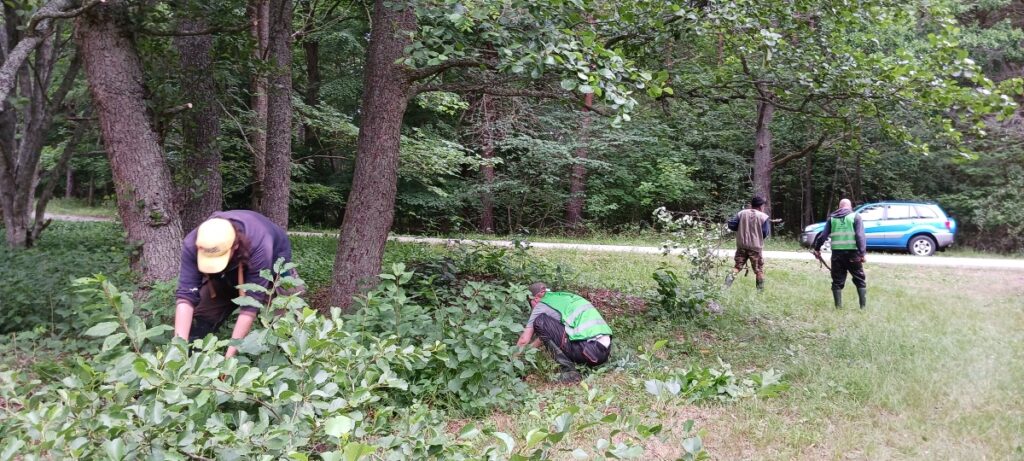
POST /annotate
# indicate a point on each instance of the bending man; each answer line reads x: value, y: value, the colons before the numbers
x: 849, y: 251
x: 228, y: 249
x: 571, y: 329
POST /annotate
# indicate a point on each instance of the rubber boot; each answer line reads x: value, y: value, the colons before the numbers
x: 837, y: 296
x: 862, y: 293
x: 569, y: 374
x: 729, y: 279
x: 760, y: 286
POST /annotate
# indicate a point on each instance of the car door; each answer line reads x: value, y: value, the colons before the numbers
x: 871, y: 216
x: 897, y: 224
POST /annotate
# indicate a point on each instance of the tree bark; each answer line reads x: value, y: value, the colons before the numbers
x: 487, y: 167
x: 808, y: 208
x: 313, y: 81
x: 578, y: 175
x: 200, y: 190
x: 51, y: 183
x: 261, y: 36
x: 142, y: 180
x: 69, y: 182
x: 277, y: 182
x: 371, y: 203
x: 24, y: 132
x: 763, y: 153
x: 16, y: 57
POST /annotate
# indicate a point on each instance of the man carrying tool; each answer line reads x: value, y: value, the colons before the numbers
x: 228, y: 249
x: 849, y: 251
x: 571, y: 328
x: 752, y: 226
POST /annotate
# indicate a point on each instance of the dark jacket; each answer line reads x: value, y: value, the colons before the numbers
x: 858, y: 228
x: 267, y: 243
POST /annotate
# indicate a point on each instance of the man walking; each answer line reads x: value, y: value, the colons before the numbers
x: 752, y: 226
x: 570, y: 327
x: 849, y: 251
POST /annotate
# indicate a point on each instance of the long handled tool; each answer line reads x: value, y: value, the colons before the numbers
x: 817, y: 254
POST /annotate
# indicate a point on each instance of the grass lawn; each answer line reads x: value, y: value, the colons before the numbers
x: 78, y: 207
x: 931, y: 370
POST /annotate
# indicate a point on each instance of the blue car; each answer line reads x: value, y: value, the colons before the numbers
x: 920, y: 228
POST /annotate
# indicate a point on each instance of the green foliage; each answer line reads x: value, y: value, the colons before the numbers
x: 308, y: 385
x: 700, y: 241
x: 487, y: 262
x: 474, y: 327
x: 699, y: 384
x: 35, y: 289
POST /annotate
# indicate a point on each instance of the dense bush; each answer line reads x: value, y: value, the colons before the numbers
x: 307, y: 387
x: 475, y: 326
x: 34, y: 289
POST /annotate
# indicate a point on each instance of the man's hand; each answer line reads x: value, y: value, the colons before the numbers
x: 242, y: 327
x: 817, y: 253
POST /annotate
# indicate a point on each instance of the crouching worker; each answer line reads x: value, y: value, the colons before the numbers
x: 227, y: 250
x: 570, y: 327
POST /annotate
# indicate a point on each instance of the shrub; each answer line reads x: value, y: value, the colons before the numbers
x: 700, y: 240
x: 488, y: 262
x: 36, y: 280
x: 309, y: 386
x: 477, y: 324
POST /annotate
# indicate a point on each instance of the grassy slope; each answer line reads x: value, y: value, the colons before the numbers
x: 932, y: 370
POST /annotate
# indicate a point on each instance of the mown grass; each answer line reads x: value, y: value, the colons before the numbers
x: 931, y: 370
x: 79, y: 207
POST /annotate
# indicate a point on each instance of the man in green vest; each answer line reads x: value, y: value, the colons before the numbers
x: 849, y: 251
x: 571, y: 329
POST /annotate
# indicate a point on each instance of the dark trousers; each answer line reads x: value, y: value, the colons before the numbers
x: 591, y: 353
x: 214, y: 308
x: 844, y: 261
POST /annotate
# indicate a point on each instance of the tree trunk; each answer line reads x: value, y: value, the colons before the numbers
x: 487, y: 167
x: 312, y: 96
x: 261, y: 36
x: 763, y: 153
x: 145, y: 200
x: 808, y: 208
x: 277, y: 182
x: 578, y: 176
x: 200, y: 191
x: 51, y: 183
x: 69, y: 182
x: 858, y: 180
x: 371, y: 203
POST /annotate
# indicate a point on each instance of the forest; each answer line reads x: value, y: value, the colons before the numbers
x: 572, y: 120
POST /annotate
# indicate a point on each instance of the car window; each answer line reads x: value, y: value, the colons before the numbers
x: 925, y: 212
x: 898, y: 212
x: 871, y: 213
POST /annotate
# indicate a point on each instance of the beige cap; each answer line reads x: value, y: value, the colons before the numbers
x: 214, y: 240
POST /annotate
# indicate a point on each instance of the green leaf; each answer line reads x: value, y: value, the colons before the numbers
x: 10, y: 449
x: 569, y: 84
x: 247, y: 301
x: 338, y: 426
x: 112, y: 340
x: 535, y: 436
x: 101, y: 329
x: 510, y: 443
x: 114, y: 449
x: 354, y: 451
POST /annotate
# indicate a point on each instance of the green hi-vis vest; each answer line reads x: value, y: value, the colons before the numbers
x: 844, y: 237
x: 581, y: 319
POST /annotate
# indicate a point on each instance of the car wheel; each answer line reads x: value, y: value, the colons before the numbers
x: 922, y: 245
